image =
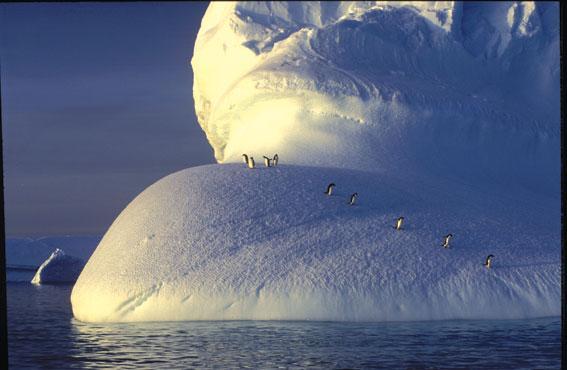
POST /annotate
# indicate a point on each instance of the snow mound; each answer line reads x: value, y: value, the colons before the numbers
x: 224, y: 242
x: 441, y: 87
x: 59, y: 268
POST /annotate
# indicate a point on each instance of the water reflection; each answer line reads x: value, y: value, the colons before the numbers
x: 42, y: 333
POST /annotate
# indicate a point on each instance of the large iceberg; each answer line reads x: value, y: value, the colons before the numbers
x: 445, y: 113
x: 59, y: 268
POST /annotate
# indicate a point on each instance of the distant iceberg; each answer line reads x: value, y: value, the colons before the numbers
x: 59, y: 268
x: 24, y: 255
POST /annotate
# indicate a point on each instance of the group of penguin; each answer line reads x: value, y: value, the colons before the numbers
x: 272, y: 162
x: 268, y: 162
x: 400, y: 221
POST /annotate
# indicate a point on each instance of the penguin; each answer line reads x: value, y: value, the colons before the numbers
x: 245, y: 158
x: 446, y: 242
x: 251, y: 162
x: 488, y: 261
x: 399, y: 223
x: 329, y: 190
x: 267, y: 161
x: 275, y: 160
x: 352, y: 199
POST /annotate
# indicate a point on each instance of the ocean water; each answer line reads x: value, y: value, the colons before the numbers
x: 42, y: 333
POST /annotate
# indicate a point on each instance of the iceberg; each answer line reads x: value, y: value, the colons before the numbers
x: 444, y: 113
x: 58, y: 268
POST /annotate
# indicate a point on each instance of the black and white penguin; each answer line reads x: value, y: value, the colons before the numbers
x: 446, y: 242
x: 488, y: 261
x: 245, y: 158
x: 399, y: 223
x: 267, y: 161
x: 251, y: 163
x: 329, y: 190
x: 275, y: 160
x: 353, y: 199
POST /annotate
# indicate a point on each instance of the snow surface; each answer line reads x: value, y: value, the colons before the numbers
x: 58, y: 268
x: 227, y: 242
x: 446, y: 113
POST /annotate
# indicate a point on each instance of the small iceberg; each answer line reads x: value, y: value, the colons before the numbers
x: 59, y: 268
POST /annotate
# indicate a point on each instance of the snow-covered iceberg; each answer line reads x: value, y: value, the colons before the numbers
x: 445, y: 113
x: 59, y: 268
x: 226, y: 242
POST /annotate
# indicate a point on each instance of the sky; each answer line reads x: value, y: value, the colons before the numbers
x: 96, y: 106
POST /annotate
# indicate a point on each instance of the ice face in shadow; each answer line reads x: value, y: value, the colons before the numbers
x: 226, y: 242
x: 59, y: 268
x: 469, y: 90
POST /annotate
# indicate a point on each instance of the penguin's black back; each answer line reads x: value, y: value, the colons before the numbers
x: 329, y: 187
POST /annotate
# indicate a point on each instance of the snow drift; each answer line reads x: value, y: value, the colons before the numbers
x: 59, y: 268
x: 225, y: 242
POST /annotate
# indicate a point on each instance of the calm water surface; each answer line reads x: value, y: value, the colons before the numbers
x: 43, y: 334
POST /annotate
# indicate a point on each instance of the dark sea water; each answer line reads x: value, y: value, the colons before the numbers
x: 43, y: 334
